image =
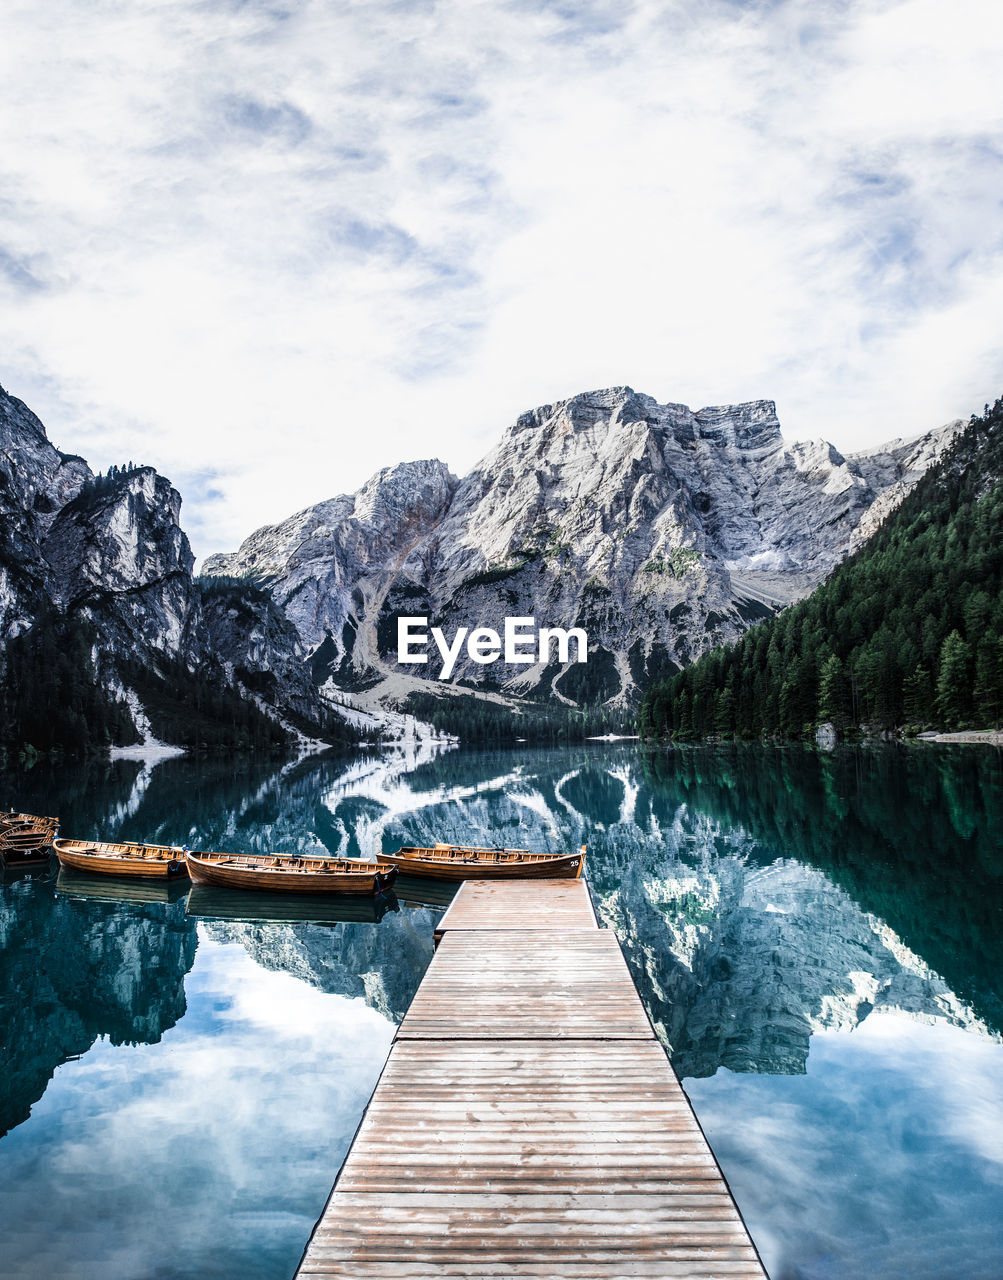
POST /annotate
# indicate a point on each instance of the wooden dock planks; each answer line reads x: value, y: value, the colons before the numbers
x: 492, y: 1116
x: 494, y: 904
x: 527, y: 1122
x: 511, y: 984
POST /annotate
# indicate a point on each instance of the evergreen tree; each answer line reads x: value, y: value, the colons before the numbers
x: 954, y: 682
x: 988, y: 690
x: 906, y: 631
x: 834, y: 693
x: 917, y: 696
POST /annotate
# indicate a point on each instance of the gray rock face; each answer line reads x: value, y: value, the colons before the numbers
x: 243, y: 628
x: 108, y: 548
x: 110, y: 551
x: 36, y: 481
x: 117, y: 554
x: 892, y: 470
x: 659, y: 530
x: 329, y: 567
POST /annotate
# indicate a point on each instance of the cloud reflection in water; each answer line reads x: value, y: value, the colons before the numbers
x: 885, y: 1159
x: 263, y: 1070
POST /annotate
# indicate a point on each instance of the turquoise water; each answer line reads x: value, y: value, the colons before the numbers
x: 817, y: 940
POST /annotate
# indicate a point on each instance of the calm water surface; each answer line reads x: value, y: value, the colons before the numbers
x: 817, y: 940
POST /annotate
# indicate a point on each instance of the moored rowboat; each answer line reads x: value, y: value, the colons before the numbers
x: 461, y: 862
x: 25, y: 838
x: 124, y: 858
x: 278, y: 873
x: 10, y: 820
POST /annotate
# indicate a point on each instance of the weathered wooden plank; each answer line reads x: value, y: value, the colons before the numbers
x: 576, y: 985
x: 586, y: 1203
x: 538, y: 905
x: 527, y: 1122
x: 623, y: 1269
x: 620, y: 1269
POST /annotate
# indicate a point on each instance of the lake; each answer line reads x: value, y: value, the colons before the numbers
x: 817, y: 938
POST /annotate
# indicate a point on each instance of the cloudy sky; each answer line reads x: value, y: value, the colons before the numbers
x: 270, y: 247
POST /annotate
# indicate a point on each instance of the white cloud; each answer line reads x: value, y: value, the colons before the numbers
x: 208, y: 1153
x: 885, y: 1159
x: 270, y: 250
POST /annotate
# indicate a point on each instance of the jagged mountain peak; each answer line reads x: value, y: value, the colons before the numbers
x: 408, y: 495
x: 609, y: 404
x: 750, y: 425
x: 121, y: 533
x: 659, y: 529
x: 393, y: 493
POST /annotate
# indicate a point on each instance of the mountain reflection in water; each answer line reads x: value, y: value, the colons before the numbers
x: 74, y: 970
x: 768, y: 900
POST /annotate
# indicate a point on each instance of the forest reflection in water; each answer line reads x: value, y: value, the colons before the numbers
x: 770, y: 901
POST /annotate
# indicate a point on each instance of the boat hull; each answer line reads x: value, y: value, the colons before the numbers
x: 112, y: 860
x: 453, y: 870
x: 26, y: 839
x: 11, y: 856
x: 224, y: 872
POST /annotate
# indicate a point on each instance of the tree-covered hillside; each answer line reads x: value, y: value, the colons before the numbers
x: 907, y: 632
x: 53, y: 700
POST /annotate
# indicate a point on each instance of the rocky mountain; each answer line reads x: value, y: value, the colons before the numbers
x: 658, y: 530
x: 97, y: 595
x: 36, y: 481
x: 76, y: 969
x: 906, y: 636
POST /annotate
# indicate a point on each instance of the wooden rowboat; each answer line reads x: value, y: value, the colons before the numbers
x: 26, y: 838
x: 123, y: 858
x: 462, y: 862
x: 278, y: 873
x: 10, y: 819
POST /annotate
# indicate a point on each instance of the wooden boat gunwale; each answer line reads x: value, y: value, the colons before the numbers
x: 26, y: 838
x: 469, y: 862
x: 121, y: 857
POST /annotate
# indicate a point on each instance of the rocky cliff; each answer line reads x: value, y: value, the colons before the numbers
x: 76, y: 969
x: 659, y: 530
x: 36, y: 481
x: 97, y: 593
x: 117, y: 555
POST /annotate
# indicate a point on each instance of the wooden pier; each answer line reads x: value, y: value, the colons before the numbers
x: 528, y: 1122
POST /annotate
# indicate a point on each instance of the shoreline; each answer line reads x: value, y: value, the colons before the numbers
x: 990, y: 737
